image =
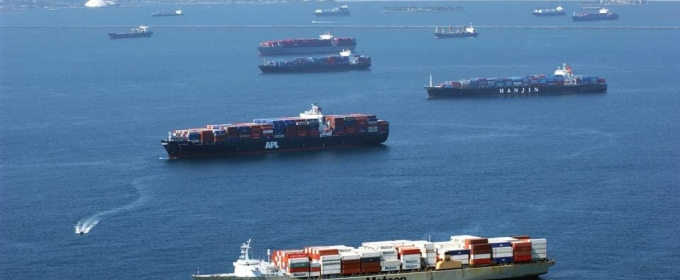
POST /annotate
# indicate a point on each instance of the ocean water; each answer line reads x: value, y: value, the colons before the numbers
x: 82, y: 116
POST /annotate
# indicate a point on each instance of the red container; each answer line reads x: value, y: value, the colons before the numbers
x: 474, y: 241
x: 299, y: 269
x: 207, y: 136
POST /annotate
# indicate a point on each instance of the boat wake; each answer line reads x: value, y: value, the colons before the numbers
x: 318, y: 21
x: 85, y: 225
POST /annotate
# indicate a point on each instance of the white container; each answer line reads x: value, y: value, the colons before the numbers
x: 328, y: 258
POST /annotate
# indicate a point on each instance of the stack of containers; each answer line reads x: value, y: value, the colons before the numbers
x: 279, y: 256
x: 313, y: 127
x: 501, y: 249
x: 337, y: 124
x: 243, y: 131
x: 301, y: 127
x: 290, y: 128
x: 389, y: 260
x: 361, y: 122
x: 267, y: 131
x: 383, y: 126
x: 328, y: 259
x: 207, y: 135
x: 480, y: 250
x: 297, y: 264
x: 350, y: 125
x: 220, y: 135
x: 314, y: 269
x: 370, y: 260
x: 350, y: 263
x: 521, y: 250
x: 255, y: 131
x: 452, y: 250
x: 409, y: 256
x: 539, y: 248
x: 372, y: 122
x: 427, y: 252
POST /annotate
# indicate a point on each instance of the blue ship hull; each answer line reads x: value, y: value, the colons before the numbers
x: 299, y: 50
x: 129, y: 35
x: 513, y: 91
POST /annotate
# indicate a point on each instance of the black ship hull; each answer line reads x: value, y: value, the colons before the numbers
x: 549, y: 14
x: 129, y: 35
x: 332, y: 14
x: 299, y: 50
x: 186, y: 149
x: 443, y: 92
x: 454, y: 35
x: 266, y: 69
x: 595, y: 17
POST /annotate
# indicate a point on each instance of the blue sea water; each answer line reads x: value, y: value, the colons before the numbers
x: 81, y: 119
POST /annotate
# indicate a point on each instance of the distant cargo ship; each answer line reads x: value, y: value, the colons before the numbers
x: 138, y: 32
x: 312, y: 130
x: 463, y: 257
x: 339, y: 11
x: 602, y: 14
x: 326, y: 43
x: 450, y: 32
x: 557, y: 11
x: 346, y: 61
x: 167, y: 13
x: 562, y: 82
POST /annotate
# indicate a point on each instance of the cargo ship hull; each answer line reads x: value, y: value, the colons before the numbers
x: 130, y: 35
x: 313, y: 68
x: 511, y: 271
x: 454, y: 35
x: 595, y: 17
x: 442, y: 92
x: 185, y: 149
x: 300, y: 50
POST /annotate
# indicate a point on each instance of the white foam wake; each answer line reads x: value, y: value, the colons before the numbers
x: 85, y: 225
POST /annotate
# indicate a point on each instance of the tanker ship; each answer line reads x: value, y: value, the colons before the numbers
x: 326, y: 43
x: 463, y: 257
x: 312, y: 130
x: 602, y: 14
x: 343, y: 62
x: 138, y: 32
x: 466, y: 31
x: 338, y: 11
x: 562, y: 82
x: 557, y: 11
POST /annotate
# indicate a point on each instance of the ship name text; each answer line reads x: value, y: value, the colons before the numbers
x: 271, y: 145
x: 518, y: 90
x: 385, y: 278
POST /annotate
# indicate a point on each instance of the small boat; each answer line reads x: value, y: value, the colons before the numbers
x: 168, y: 13
x: 466, y: 31
x: 138, y: 32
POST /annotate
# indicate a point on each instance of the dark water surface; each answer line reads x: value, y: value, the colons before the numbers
x: 82, y: 117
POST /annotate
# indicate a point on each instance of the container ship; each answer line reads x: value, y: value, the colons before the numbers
x: 463, y: 257
x: 466, y: 31
x: 338, y: 11
x: 138, y: 32
x: 602, y: 14
x: 167, y: 14
x: 557, y: 11
x: 562, y: 82
x: 346, y: 61
x: 326, y: 43
x: 310, y: 131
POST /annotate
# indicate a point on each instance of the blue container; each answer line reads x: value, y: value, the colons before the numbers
x: 457, y: 253
x: 500, y: 244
